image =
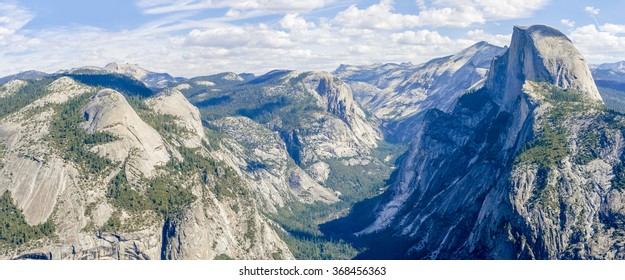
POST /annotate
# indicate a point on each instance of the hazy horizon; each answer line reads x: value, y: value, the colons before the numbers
x: 192, y: 38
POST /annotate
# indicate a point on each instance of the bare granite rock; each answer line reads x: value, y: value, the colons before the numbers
x: 524, y: 168
x: 172, y: 102
x: 139, y: 144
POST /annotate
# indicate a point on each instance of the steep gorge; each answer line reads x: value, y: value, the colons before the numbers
x: 526, y: 167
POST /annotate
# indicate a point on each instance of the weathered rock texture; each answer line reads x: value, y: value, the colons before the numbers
x: 172, y: 102
x: 285, y: 126
x: 109, y: 112
x: 527, y: 167
x: 223, y: 221
x: 150, y: 79
x: 400, y: 94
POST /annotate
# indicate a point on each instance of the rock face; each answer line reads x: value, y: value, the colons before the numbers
x: 34, y: 176
x: 151, y: 79
x: 11, y: 87
x: 150, y: 145
x: 540, y: 53
x: 124, y: 173
x: 336, y: 97
x: 172, y: 102
x: 24, y: 75
x: 313, y: 113
x: 527, y: 167
x: 108, y: 111
x: 400, y: 94
x: 609, y: 72
x: 262, y: 159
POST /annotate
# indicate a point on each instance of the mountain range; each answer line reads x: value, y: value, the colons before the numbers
x: 490, y: 153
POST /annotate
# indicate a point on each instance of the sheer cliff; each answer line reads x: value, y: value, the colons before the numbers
x: 97, y: 173
x: 99, y: 166
x: 400, y: 94
x: 527, y: 167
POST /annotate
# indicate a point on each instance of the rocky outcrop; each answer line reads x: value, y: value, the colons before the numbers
x: 539, y: 53
x: 313, y: 113
x: 526, y: 167
x: 140, y: 144
x: 11, y: 87
x: 221, y: 233
x: 32, y: 172
x: 48, y: 184
x: 346, y: 133
x: 60, y: 91
x: 334, y: 95
x: 400, y: 94
x: 261, y: 157
x: 171, y: 102
x: 151, y: 79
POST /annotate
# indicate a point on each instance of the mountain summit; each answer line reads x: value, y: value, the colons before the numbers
x: 540, y: 54
x: 400, y: 94
x: 522, y: 168
x: 512, y: 155
x: 151, y: 79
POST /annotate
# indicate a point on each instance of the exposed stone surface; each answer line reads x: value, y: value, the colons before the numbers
x: 60, y: 91
x: 400, y: 94
x: 150, y: 79
x: 334, y: 95
x: 263, y: 160
x: 480, y: 182
x: 34, y: 175
x: 225, y: 234
x: 108, y: 111
x: 172, y: 102
x: 11, y: 87
x: 48, y: 187
x: 285, y: 151
x: 539, y: 53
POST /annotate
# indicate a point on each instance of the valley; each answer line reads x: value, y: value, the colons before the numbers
x: 489, y: 153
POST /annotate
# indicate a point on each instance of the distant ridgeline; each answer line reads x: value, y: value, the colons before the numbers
x: 490, y: 153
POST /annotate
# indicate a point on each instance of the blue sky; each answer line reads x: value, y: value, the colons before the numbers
x: 199, y: 37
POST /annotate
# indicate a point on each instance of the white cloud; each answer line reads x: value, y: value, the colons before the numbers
x: 378, y: 16
x: 180, y: 43
x: 421, y: 4
x: 508, y: 9
x: 456, y: 17
x: 230, y: 36
x: 290, y: 5
x: 225, y: 37
x: 381, y: 16
x: 462, y: 13
x: 233, y: 13
x: 169, y: 6
x: 421, y: 37
x: 567, y: 22
x: 295, y: 21
x: 592, y: 10
x: 599, y: 45
x: 12, y: 19
x: 280, y: 6
x: 359, y: 49
x: 477, y: 35
x: 613, y: 28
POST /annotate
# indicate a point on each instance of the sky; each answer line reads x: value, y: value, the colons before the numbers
x: 199, y: 37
